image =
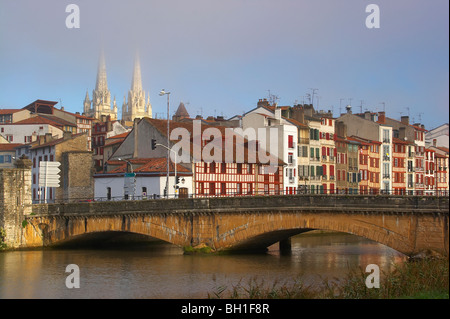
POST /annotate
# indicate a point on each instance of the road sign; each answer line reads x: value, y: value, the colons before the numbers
x: 49, y: 174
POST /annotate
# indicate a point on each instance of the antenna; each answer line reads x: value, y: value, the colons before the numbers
x: 350, y: 101
x: 384, y: 106
x: 273, y: 98
x: 308, y: 96
x: 360, y: 107
x: 420, y: 117
x: 312, y: 95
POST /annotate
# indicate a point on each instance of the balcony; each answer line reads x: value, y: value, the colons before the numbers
x: 303, y: 140
x: 386, y: 176
x: 386, y: 158
x: 387, y: 140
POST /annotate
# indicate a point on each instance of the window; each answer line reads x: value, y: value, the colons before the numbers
x: 201, y: 188
x: 249, y: 188
x: 223, y: 188
x: 290, y: 158
x: 386, y: 137
x: 108, y: 193
x: 212, y: 189
x: 223, y: 168
x: 290, y: 141
x: 239, y: 168
x: 239, y: 188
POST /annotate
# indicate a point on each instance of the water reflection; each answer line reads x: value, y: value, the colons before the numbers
x: 161, y: 270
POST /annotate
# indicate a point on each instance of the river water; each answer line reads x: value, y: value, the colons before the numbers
x: 160, y: 270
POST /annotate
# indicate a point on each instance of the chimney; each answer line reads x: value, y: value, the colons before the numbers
x: 298, y: 113
x: 434, y: 142
x: 367, y: 115
x: 349, y: 109
x: 48, y: 137
x: 278, y: 113
x: 341, y: 129
x: 405, y: 120
x: 381, y: 117
x: 263, y: 102
x: 308, y: 109
x: 67, y: 135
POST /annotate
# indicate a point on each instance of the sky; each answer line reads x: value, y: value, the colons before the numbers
x: 220, y: 57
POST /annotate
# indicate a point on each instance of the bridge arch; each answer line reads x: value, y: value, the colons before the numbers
x: 258, y: 234
x: 57, y: 230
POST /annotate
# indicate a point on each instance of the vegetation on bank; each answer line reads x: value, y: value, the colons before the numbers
x: 420, y: 279
x: 2, y: 239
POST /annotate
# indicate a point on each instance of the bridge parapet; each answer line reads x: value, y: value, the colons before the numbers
x: 386, y: 204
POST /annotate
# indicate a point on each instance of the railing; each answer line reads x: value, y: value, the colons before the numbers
x: 302, y: 190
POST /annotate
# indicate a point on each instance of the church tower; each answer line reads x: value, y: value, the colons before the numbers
x: 101, y: 96
x: 136, y: 106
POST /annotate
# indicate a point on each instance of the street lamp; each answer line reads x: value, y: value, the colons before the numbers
x: 132, y: 172
x: 175, y: 167
x: 168, y: 138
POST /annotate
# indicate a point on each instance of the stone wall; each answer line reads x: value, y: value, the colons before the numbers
x: 15, y: 202
x: 76, y: 174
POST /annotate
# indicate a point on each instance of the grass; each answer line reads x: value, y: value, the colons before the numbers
x: 422, y: 279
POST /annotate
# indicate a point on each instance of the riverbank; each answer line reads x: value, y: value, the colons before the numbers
x: 418, y: 279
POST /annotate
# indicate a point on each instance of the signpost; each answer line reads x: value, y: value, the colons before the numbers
x: 48, y: 175
x: 129, y: 185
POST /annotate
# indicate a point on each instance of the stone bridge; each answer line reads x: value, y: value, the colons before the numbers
x: 408, y: 224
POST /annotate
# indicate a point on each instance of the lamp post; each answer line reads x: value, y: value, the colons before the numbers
x: 168, y: 139
x: 132, y: 172
x: 175, y: 168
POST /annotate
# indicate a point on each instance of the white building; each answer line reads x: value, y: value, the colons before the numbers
x: 141, y: 179
x: 438, y: 136
x: 286, y: 143
x: 26, y: 131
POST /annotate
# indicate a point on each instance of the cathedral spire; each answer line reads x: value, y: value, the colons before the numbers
x: 136, y: 83
x: 101, y: 97
x: 102, y: 83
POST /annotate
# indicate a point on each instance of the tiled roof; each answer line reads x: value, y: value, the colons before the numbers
x: 54, y: 142
x: 400, y: 141
x: 161, y: 126
x: 44, y: 120
x: 9, y: 146
x: 146, y: 165
x: 9, y: 111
